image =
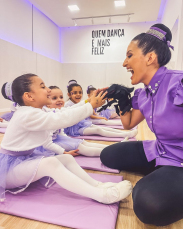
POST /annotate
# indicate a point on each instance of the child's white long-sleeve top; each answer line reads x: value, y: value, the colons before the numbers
x: 69, y: 103
x: 32, y: 127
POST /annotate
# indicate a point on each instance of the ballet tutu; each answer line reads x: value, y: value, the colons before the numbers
x: 18, y: 169
x: 77, y: 129
x: 95, y: 120
x: 67, y: 143
x: 107, y: 113
x: 7, y: 116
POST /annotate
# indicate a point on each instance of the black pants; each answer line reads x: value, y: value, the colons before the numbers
x: 157, y: 197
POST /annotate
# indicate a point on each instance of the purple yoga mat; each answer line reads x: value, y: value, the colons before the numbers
x: 59, y: 206
x: 93, y: 163
x: 2, y: 130
x: 101, y: 138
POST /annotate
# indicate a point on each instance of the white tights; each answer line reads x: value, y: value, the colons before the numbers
x: 91, y: 149
x: 108, y: 122
x: 3, y: 124
x: 108, y: 132
x: 69, y: 175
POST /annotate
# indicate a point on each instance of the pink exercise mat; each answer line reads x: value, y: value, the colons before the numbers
x: 59, y: 206
x: 94, y: 163
x: 101, y: 138
x: 2, y: 130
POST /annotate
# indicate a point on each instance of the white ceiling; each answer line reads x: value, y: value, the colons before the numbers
x: 58, y: 11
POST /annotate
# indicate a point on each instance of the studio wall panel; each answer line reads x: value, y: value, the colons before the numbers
x: 14, y: 61
x: 46, y: 36
x: 49, y: 70
x: 16, y: 22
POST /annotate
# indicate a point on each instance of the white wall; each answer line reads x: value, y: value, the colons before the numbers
x: 172, y: 11
x: 24, y: 25
x: 15, y: 61
x: 16, y: 22
x: 46, y: 36
x: 25, y: 36
x: 173, y: 19
x: 76, y: 43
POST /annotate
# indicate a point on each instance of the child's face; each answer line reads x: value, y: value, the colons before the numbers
x: 76, y: 94
x: 57, y: 99
x: 39, y: 94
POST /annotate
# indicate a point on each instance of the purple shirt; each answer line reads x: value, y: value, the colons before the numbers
x: 161, y: 103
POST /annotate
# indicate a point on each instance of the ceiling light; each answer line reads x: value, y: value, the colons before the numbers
x: 73, y: 7
x: 119, y: 3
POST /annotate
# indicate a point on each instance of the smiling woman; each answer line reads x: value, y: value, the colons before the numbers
x: 161, y: 104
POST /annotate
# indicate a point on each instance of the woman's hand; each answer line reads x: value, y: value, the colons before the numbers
x: 1, y: 120
x: 72, y: 152
x: 97, y: 100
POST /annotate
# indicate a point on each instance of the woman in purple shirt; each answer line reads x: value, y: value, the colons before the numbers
x: 158, y: 197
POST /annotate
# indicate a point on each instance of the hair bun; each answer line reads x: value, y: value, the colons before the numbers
x: 6, y: 91
x: 163, y: 27
x: 72, y: 82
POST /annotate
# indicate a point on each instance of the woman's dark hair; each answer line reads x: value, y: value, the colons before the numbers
x: 90, y: 88
x: 149, y: 43
x: 21, y: 85
x: 74, y: 84
x: 53, y: 87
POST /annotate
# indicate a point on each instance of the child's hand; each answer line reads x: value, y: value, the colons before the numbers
x: 1, y: 120
x: 72, y: 152
x: 105, y: 118
x: 97, y: 100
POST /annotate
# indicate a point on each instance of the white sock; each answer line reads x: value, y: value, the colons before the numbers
x: 89, y: 151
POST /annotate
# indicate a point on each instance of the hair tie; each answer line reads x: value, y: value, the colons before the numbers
x: 71, y: 82
x: 160, y: 34
x: 8, y: 91
x: 170, y: 46
x: 90, y: 86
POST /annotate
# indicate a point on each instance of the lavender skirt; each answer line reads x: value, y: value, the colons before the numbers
x: 67, y: 143
x: 77, y: 129
x: 7, y: 116
x: 18, y: 169
x: 107, y: 113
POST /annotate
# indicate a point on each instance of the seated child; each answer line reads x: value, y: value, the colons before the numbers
x: 68, y: 144
x: 103, y: 117
x: 85, y: 127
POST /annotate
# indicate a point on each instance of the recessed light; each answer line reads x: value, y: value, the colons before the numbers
x: 119, y: 3
x: 73, y: 7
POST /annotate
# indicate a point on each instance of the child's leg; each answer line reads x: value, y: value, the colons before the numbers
x: 77, y: 180
x: 68, y: 174
x: 89, y: 151
x: 93, y: 130
x: 113, y: 130
x: 4, y: 124
x: 111, y: 122
x: 91, y: 144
